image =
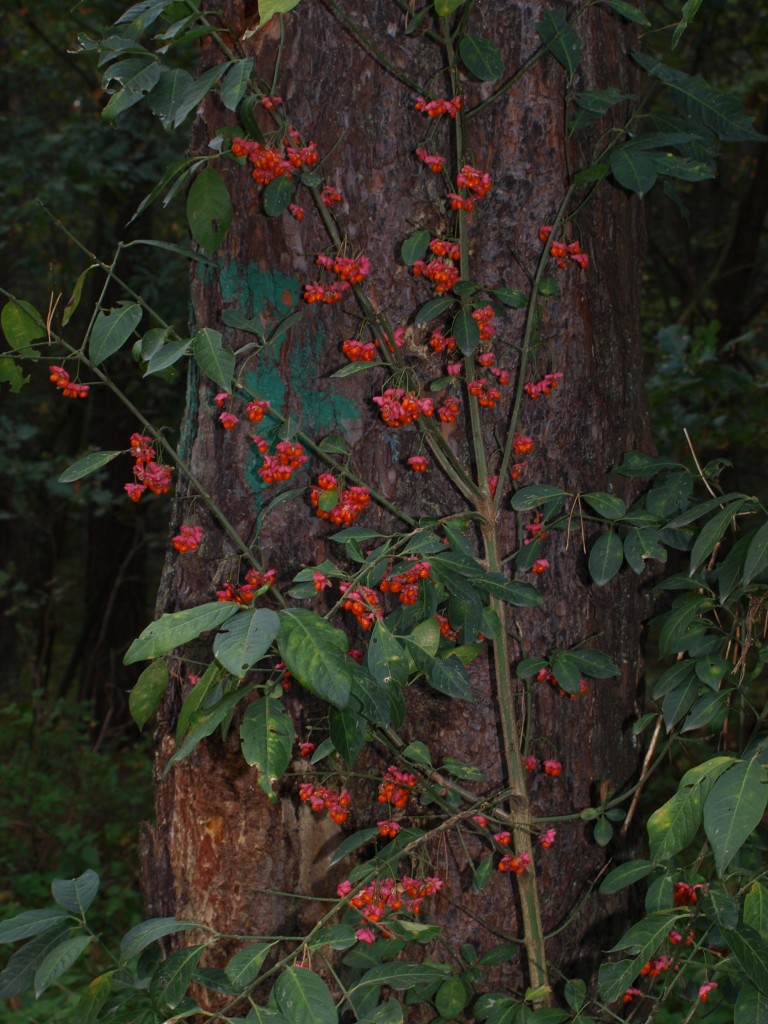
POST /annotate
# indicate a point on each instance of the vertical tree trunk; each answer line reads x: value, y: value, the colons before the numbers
x: 219, y: 849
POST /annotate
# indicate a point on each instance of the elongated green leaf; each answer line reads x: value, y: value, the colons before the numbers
x: 21, y: 324
x: 303, y: 998
x: 511, y: 297
x: 269, y: 8
x: 711, y: 533
x: 19, y: 973
x: 235, y: 83
x: 76, y: 894
x: 609, y: 506
x: 625, y: 875
x: 85, y: 466
x: 466, y: 331
x: 149, y: 931
x: 606, y: 558
x: 642, y: 940
x: 209, y: 209
x: 432, y: 309
x: 197, y: 89
x: 481, y: 58
x: 93, y: 999
x: 445, y: 7
x: 167, y: 355
x: 148, y: 692
x: 751, y: 1006
x: 244, y: 967
x: 315, y: 654
x: 528, y: 498
x: 171, y: 980
x: 177, y: 628
x: 674, y: 825
x: 205, y: 722
x: 560, y: 39
x: 403, y: 976
x: 138, y: 79
x: 522, y: 595
x: 31, y: 922
x: 756, y: 560
x: 352, y: 842
x: 77, y: 291
x: 164, y: 99
x: 633, y: 169
x: 752, y: 954
x: 734, y: 808
x: 640, y: 545
x: 756, y: 908
x: 246, y: 639
x: 111, y: 330
x: 414, y: 247
x: 267, y: 735
x: 277, y: 196
x: 216, y: 362
x: 595, y: 663
x: 59, y: 960
x: 716, y: 110
x: 447, y: 676
x: 679, y: 701
x: 628, y: 11
x: 347, y: 731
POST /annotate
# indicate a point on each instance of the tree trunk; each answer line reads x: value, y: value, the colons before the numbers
x: 220, y: 850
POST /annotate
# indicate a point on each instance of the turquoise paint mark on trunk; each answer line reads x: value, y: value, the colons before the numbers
x: 257, y: 291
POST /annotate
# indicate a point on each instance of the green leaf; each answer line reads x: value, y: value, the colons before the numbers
x: 445, y: 7
x: 640, y: 545
x: 337, y: 936
x: 303, y: 998
x: 167, y: 355
x: 216, y: 362
x: 138, y: 77
x: 721, y: 112
x: 521, y: 595
x: 93, y: 999
x: 29, y: 923
x: 756, y: 908
x: 752, y: 954
x: 171, y: 980
x: 269, y: 8
x: 606, y: 558
x: 235, y: 83
x: 432, y: 309
x: 595, y: 663
x: 244, y: 967
x: 402, y: 976
x: 481, y: 58
x: 204, y: 723
x: 414, y: 247
x: 12, y: 375
x: 594, y: 173
x: 711, y: 533
x: 466, y: 331
x: 528, y: 498
x: 76, y: 894
x: 177, y: 628
x: 21, y: 324
x: 703, y: 711
x: 674, y: 825
x: 149, y: 931
x: 733, y: 809
x: 164, y: 100
x: 209, y: 209
x: 447, y: 676
x: 511, y: 297
x: 751, y: 1006
x: 633, y: 169
x: 757, y: 555
x: 606, y: 505
x: 315, y: 654
x: 418, y: 752
x: 682, y: 168
x: 347, y: 730
x: 277, y: 196
x: 87, y: 465
x: 197, y: 89
x: 628, y: 11
x: 148, y: 692
x: 267, y: 735
x: 111, y: 330
x: 58, y: 961
x: 248, y: 636
x: 560, y: 39
x: 642, y: 940
x: 451, y: 998
x: 679, y: 701
x: 350, y: 369
x: 352, y: 842
x: 18, y: 975
x: 625, y: 875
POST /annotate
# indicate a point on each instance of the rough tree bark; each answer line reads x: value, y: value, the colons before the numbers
x: 218, y: 843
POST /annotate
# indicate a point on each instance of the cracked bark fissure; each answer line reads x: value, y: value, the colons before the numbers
x: 218, y: 843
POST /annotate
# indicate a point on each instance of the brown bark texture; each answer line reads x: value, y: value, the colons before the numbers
x: 219, y: 850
